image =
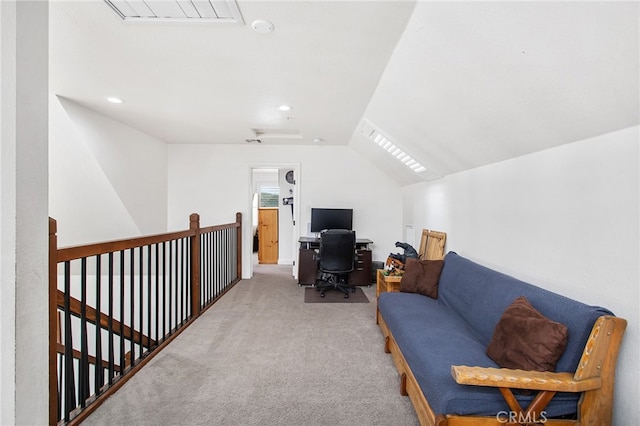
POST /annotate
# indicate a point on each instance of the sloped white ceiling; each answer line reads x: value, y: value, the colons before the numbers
x: 456, y: 85
x: 473, y: 83
x: 214, y: 83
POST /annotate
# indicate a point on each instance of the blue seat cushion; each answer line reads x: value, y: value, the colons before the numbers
x: 432, y: 338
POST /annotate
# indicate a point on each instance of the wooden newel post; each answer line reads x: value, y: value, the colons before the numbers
x: 239, y: 254
x: 194, y: 225
x: 53, y: 323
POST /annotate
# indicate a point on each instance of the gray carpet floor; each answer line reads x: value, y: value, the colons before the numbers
x: 261, y: 356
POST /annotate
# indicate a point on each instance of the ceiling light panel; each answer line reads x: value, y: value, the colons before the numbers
x: 220, y: 11
x: 374, y: 135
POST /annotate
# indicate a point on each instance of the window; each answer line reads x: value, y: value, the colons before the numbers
x: 269, y: 196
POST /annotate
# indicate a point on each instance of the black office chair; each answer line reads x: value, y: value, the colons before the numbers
x: 335, y: 260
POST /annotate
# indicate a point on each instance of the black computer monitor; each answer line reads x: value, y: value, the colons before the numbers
x: 322, y: 219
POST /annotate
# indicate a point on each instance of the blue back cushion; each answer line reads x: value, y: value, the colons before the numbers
x: 479, y: 295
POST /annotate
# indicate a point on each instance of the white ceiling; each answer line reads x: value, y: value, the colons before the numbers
x: 213, y: 83
x: 456, y: 85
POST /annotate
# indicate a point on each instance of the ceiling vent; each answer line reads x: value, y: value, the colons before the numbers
x: 220, y: 11
x: 277, y: 133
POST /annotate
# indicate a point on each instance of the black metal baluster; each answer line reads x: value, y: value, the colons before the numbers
x: 235, y: 254
x: 84, y: 344
x: 203, y: 278
x: 170, y: 288
x: 204, y: 266
x: 141, y: 298
x: 149, y: 297
x: 177, y: 275
x: 157, y: 280
x: 179, y: 281
x: 60, y: 365
x: 208, y: 261
x: 110, y: 322
x: 212, y: 260
x: 132, y: 303
x: 188, y: 288
x: 122, y: 304
x: 217, y: 264
x: 164, y: 288
x: 99, y: 371
x: 225, y: 257
x: 187, y: 281
x: 232, y: 253
x: 214, y: 272
x: 221, y: 260
x: 185, y: 275
x: 69, y: 380
x: 226, y: 260
x: 183, y: 284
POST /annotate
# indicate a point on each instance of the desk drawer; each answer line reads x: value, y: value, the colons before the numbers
x: 361, y: 274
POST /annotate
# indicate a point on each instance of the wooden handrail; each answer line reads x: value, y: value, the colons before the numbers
x: 92, y: 359
x: 78, y: 252
x: 75, y: 307
x: 94, y: 249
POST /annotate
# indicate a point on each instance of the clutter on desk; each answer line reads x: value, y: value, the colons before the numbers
x: 395, y: 261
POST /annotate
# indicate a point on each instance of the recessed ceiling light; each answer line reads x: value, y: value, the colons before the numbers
x: 284, y: 108
x: 114, y: 100
x: 318, y: 140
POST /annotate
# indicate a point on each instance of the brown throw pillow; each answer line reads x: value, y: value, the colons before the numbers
x: 421, y: 276
x: 527, y: 340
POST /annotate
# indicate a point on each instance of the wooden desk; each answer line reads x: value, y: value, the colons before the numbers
x: 308, y: 264
x: 314, y: 243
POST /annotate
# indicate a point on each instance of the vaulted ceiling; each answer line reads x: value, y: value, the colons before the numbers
x: 455, y: 85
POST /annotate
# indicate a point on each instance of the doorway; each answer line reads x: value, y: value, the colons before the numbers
x: 274, y: 213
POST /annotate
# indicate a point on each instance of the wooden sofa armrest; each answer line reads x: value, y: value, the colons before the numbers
x: 522, y: 379
x: 594, y: 376
x: 546, y: 383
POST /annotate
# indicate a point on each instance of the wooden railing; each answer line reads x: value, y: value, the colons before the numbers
x: 114, y: 305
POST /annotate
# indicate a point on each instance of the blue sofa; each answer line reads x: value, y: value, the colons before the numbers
x: 432, y: 335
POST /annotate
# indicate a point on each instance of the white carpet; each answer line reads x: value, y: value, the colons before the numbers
x: 261, y: 356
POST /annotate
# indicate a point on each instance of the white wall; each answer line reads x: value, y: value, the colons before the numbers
x: 215, y: 181
x: 287, y: 249
x: 107, y: 180
x: 565, y: 219
x: 7, y: 211
x: 24, y: 331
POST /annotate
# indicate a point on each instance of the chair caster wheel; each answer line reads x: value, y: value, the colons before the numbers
x: 321, y: 294
x: 346, y: 296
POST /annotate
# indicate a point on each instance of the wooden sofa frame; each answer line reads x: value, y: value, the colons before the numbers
x: 594, y: 376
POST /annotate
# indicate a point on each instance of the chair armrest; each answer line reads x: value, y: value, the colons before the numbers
x: 521, y: 379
